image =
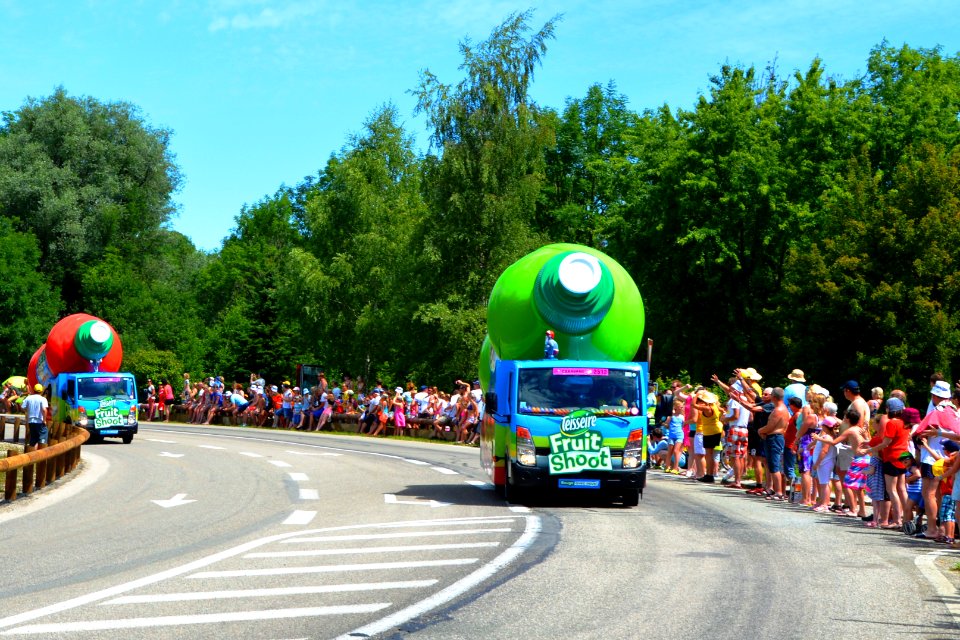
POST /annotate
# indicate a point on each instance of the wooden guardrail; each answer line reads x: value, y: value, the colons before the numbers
x: 43, y: 464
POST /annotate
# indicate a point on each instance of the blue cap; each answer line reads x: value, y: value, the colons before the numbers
x: 895, y: 404
x: 851, y: 385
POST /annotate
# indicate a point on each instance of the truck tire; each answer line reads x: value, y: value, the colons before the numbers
x: 631, y: 498
x: 511, y: 492
x: 127, y: 438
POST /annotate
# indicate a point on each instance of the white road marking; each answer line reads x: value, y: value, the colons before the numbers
x: 941, y: 585
x: 300, y: 518
x: 271, y: 592
x: 411, y: 461
x: 206, y: 561
x: 332, y: 568
x: 449, y: 472
x: 480, y: 484
x: 280, y: 463
x: 175, y: 501
x: 389, y: 498
x: 163, y: 441
x: 364, y: 550
x: 210, y: 446
x: 310, y: 453
x: 455, y: 590
x: 250, y: 455
x: 520, y: 509
x: 298, y: 477
x: 202, y: 618
x: 403, y: 534
x: 167, y: 454
x: 309, y: 494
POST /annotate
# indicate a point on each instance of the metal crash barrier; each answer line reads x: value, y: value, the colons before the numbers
x: 41, y: 465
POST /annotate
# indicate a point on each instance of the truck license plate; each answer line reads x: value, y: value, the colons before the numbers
x: 573, y: 483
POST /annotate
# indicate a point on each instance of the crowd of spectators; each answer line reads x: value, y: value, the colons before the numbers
x: 801, y: 447
x: 378, y: 410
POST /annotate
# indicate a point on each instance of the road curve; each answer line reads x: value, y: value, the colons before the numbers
x: 689, y: 561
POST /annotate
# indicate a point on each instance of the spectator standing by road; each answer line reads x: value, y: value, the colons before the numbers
x: 35, y: 406
x: 772, y: 434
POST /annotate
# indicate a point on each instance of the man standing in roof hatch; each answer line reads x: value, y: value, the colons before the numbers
x: 550, y: 347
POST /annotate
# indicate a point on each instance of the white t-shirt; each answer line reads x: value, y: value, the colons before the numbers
x: 35, y: 406
x: 422, y: 400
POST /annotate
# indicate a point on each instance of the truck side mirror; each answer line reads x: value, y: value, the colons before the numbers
x: 490, y: 400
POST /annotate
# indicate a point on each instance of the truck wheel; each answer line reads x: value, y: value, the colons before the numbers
x: 511, y: 492
x: 127, y: 438
x: 631, y: 498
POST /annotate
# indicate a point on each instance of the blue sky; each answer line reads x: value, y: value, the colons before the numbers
x: 259, y: 93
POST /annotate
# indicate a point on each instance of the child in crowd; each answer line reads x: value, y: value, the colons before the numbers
x: 675, y: 437
x: 948, y: 509
x: 913, y: 512
x: 657, y: 448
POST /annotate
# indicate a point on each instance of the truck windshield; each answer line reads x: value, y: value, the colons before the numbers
x: 100, y: 387
x: 543, y: 390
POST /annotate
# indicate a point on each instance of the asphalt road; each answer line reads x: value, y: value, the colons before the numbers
x: 211, y: 532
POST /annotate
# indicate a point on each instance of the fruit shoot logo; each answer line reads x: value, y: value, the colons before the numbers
x: 576, y: 448
x: 108, y: 415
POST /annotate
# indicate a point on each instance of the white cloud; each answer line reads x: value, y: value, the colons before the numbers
x: 266, y: 18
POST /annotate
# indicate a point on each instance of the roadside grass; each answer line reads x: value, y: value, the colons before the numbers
x: 955, y: 567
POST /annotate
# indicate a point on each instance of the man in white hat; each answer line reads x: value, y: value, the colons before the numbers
x: 796, y: 389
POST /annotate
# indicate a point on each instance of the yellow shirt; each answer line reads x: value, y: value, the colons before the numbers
x: 710, y: 425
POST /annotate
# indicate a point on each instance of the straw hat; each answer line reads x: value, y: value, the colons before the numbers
x: 797, y: 376
x: 707, y: 396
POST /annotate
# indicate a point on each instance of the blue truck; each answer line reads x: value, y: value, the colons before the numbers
x: 105, y: 404
x: 566, y: 426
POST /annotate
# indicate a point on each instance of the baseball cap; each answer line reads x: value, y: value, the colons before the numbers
x: 851, y: 385
x: 423, y: 387
x: 895, y: 404
x: 38, y: 387
x: 941, y: 389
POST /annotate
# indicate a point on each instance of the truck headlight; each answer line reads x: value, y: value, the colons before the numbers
x: 633, y: 449
x: 526, y: 451
x: 132, y: 417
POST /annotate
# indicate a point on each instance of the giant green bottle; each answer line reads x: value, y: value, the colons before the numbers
x: 585, y: 296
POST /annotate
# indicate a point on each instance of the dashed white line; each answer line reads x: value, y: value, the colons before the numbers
x: 163, y: 441
x: 332, y: 568
x: 191, y: 596
x: 210, y: 446
x: 250, y: 455
x: 310, y: 553
x: 412, y: 461
x: 299, y: 518
x: 445, y: 471
x: 296, y: 476
x: 309, y: 494
x: 520, y: 509
x: 480, y: 484
x: 402, y: 534
x: 318, y: 455
x: 280, y: 463
x: 202, y: 618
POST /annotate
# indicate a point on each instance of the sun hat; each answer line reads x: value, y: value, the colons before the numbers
x: 751, y: 374
x: 398, y: 390
x: 911, y: 416
x: 941, y: 389
x: 707, y: 396
x: 797, y: 376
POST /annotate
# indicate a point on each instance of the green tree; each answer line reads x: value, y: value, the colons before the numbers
x: 28, y: 304
x: 482, y: 188
x: 84, y: 176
